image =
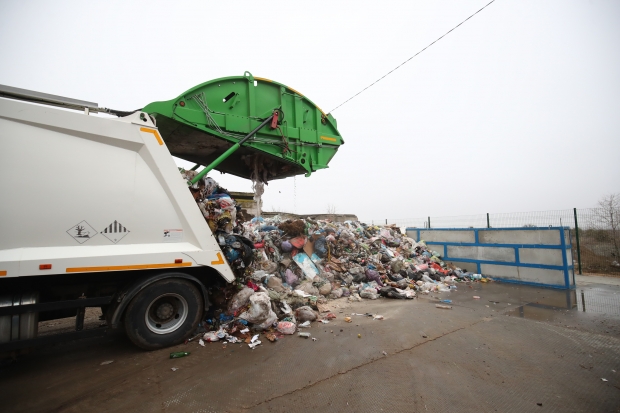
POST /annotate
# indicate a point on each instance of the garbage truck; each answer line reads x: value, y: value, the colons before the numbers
x: 94, y: 211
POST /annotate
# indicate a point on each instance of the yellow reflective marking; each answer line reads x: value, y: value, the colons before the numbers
x: 327, y: 138
x: 154, y: 132
x: 220, y: 259
x: 128, y: 267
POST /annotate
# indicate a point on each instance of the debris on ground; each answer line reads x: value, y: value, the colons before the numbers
x: 103, y: 363
x: 289, y: 272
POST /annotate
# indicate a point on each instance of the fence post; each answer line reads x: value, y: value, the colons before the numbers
x: 386, y: 221
x: 429, y: 222
x: 577, y: 238
x: 488, y: 223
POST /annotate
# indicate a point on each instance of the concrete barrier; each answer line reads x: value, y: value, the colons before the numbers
x: 534, y: 256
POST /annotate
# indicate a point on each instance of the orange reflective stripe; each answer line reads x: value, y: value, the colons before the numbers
x: 219, y: 261
x: 154, y: 132
x: 128, y: 267
x: 2, y: 273
x: 327, y: 138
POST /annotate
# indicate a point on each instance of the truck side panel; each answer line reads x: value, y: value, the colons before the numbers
x: 89, y: 194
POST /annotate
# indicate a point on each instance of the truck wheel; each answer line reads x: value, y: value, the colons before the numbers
x: 163, y: 314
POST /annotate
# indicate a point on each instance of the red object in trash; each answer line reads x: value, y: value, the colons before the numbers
x: 259, y: 245
x: 298, y: 242
x: 252, y: 286
x: 330, y: 316
x: 438, y: 268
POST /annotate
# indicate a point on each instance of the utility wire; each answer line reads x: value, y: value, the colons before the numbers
x: 406, y: 61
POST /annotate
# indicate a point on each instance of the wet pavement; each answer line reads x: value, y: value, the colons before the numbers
x: 509, y: 351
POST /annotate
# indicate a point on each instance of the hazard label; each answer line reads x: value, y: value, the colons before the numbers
x: 173, y: 235
x: 82, y: 232
x: 115, y: 232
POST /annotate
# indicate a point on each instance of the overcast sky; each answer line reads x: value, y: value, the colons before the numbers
x: 516, y: 110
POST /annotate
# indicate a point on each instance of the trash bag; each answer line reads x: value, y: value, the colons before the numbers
x: 291, y: 278
x: 325, y: 288
x: 260, y: 309
x: 373, y: 275
x: 240, y: 300
x: 271, y: 319
x: 298, y: 242
x: 320, y: 247
x: 275, y: 283
x: 286, y: 327
x: 369, y: 293
x: 308, y: 288
x: 391, y: 292
x: 337, y: 293
x: 286, y: 246
x: 305, y: 313
x: 210, y: 336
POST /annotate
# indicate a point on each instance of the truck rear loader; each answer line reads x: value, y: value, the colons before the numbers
x: 94, y: 212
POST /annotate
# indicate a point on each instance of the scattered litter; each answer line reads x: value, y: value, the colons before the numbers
x: 359, y: 336
x: 106, y: 362
x: 174, y: 368
x: 476, y: 297
x: 289, y: 271
x: 179, y: 354
x: 604, y: 379
x: 384, y: 353
x: 253, y: 344
x: 314, y: 339
x: 304, y: 335
x: 445, y: 307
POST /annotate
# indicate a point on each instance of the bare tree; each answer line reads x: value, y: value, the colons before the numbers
x: 331, y: 210
x: 609, y: 214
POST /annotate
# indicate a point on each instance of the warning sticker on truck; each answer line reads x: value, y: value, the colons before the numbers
x: 173, y: 235
x: 82, y: 232
x: 115, y: 232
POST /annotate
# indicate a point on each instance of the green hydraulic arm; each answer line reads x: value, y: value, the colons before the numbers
x: 249, y: 127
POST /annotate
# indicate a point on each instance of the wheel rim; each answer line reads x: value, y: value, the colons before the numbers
x: 166, y: 313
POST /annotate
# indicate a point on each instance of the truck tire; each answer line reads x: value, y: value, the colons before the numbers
x: 163, y: 314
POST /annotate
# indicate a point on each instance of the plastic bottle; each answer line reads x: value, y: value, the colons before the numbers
x: 179, y: 354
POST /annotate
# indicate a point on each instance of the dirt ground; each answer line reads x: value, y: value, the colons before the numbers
x: 516, y: 349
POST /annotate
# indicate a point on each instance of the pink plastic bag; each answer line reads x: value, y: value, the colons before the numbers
x: 286, y: 327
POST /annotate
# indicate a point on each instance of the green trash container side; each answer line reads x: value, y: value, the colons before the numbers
x: 205, y: 121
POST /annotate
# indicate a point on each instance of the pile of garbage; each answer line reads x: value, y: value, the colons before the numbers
x: 287, y: 270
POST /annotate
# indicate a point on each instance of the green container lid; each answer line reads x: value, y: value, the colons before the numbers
x: 205, y: 121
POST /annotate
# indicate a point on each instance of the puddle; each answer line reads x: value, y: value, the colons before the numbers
x: 572, y: 303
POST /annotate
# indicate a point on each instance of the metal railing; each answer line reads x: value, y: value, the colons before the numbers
x: 595, y: 232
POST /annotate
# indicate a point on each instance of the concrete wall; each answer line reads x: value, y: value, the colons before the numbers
x: 536, y: 256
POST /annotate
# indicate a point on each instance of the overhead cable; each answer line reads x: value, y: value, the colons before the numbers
x: 406, y: 61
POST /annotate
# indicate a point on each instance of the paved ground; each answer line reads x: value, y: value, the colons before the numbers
x: 511, y: 350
